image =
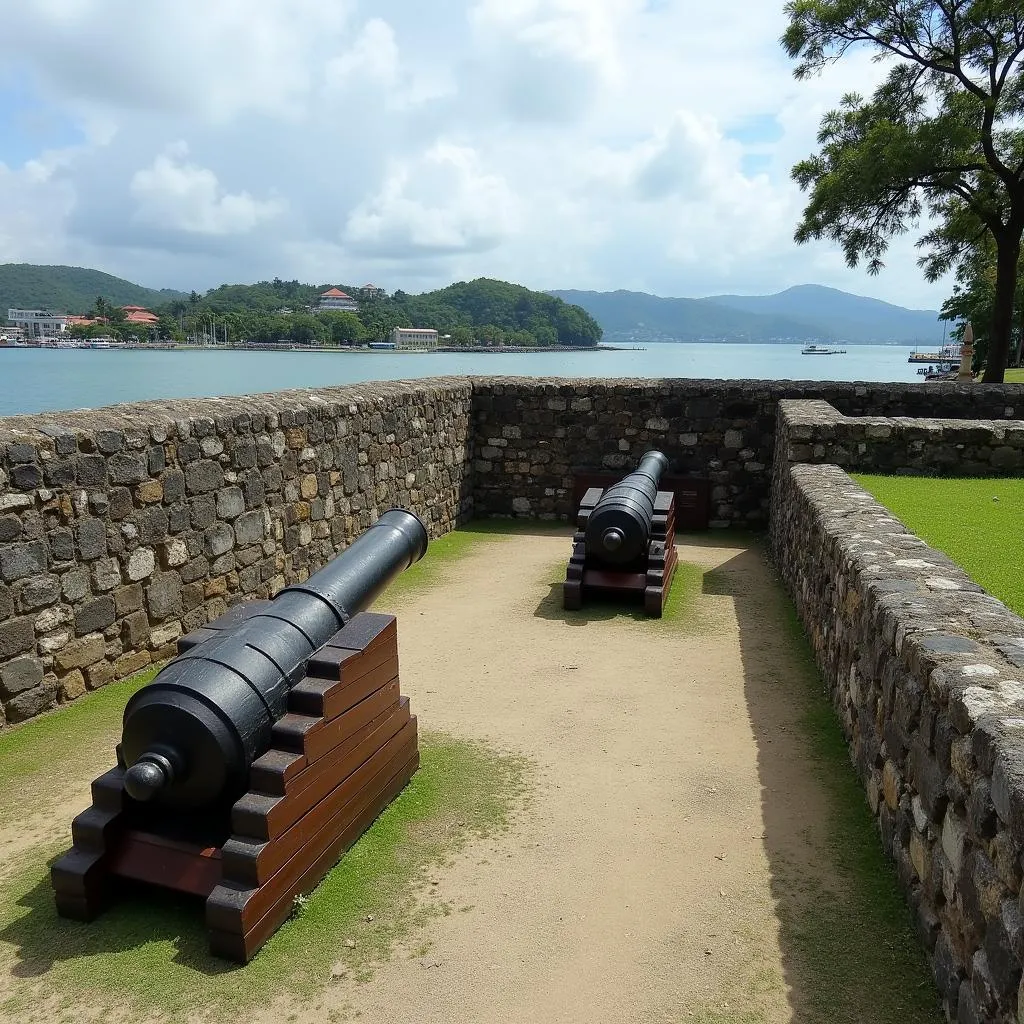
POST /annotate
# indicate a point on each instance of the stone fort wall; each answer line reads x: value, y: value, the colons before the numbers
x: 122, y: 528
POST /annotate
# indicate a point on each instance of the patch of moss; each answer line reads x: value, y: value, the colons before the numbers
x: 990, y: 547
x: 149, y: 953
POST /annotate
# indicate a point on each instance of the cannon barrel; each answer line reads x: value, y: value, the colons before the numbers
x: 619, y: 527
x: 191, y: 735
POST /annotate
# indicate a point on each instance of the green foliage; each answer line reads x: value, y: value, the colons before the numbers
x: 268, y: 312
x: 493, y: 312
x: 71, y: 289
x: 499, y: 313
x: 940, y: 137
x: 990, y: 550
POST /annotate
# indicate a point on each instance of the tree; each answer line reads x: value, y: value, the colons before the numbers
x: 972, y: 299
x: 940, y: 136
x: 342, y: 328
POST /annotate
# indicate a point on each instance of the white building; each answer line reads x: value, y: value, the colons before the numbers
x: 337, y: 300
x: 417, y: 338
x: 38, y: 323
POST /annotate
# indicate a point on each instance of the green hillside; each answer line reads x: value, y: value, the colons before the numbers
x: 70, y: 289
x: 492, y: 311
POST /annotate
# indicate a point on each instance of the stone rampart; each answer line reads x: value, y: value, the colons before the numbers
x: 925, y: 672
x: 532, y: 433
x: 122, y: 528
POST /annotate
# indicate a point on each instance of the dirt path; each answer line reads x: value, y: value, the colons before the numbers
x: 636, y: 885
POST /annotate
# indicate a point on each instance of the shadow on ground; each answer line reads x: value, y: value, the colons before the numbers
x: 137, y: 918
x: 849, y: 950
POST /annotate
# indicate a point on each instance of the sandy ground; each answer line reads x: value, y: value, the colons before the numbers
x: 636, y: 885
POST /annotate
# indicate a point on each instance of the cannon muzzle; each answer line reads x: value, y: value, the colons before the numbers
x: 191, y: 735
x: 620, y: 526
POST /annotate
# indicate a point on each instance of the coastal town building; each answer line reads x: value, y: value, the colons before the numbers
x: 414, y: 338
x: 38, y: 323
x: 140, y: 315
x: 334, y: 299
x: 371, y: 291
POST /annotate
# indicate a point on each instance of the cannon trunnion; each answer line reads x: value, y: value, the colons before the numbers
x: 259, y: 754
x: 624, y: 546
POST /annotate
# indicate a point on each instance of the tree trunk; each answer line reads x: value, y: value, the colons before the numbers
x: 1020, y: 335
x: 1007, y: 255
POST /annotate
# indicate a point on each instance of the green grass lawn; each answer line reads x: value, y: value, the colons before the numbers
x: 977, y: 522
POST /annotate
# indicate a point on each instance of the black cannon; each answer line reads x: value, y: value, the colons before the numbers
x: 619, y: 527
x: 624, y: 545
x: 190, y: 737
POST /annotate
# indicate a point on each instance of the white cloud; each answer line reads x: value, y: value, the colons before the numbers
x: 560, y: 143
x: 444, y: 202
x: 181, y: 196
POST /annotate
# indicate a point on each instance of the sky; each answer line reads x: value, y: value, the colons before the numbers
x: 593, y: 144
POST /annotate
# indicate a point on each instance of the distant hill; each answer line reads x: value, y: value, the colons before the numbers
x: 855, y: 317
x: 71, y: 289
x: 638, y: 316
x: 800, y: 314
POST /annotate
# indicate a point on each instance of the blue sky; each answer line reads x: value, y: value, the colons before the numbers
x: 642, y: 144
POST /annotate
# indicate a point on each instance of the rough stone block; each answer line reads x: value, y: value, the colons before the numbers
x: 16, y: 636
x: 95, y: 615
x: 20, y: 675
x: 106, y: 574
x: 203, y: 476
x: 129, y: 664
x: 20, y: 560
x: 127, y: 469
x: 163, y: 596
x: 40, y: 592
x: 99, y: 674
x: 249, y: 528
x: 92, y: 539
x: 81, y: 653
x: 230, y: 503
x: 135, y: 630
x: 72, y: 686
x: 164, y: 635
x: 32, y: 702
x: 10, y: 529
x: 219, y: 540
x: 141, y: 564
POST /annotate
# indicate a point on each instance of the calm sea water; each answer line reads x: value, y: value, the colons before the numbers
x: 38, y: 380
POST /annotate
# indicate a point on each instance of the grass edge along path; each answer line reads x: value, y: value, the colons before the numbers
x: 148, y: 956
x: 976, y: 521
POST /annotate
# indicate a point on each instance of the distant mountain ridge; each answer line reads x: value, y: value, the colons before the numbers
x: 71, y: 289
x: 799, y: 314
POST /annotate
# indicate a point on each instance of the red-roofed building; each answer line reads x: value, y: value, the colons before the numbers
x: 140, y: 315
x: 334, y: 299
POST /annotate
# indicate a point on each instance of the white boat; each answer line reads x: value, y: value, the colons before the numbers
x: 821, y: 350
